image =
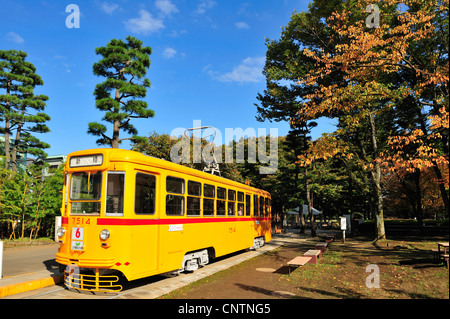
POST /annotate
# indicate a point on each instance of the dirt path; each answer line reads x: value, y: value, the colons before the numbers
x: 406, y: 271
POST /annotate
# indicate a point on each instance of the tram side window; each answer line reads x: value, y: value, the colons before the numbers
x: 193, y: 201
x: 247, y: 205
x: 270, y: 207
x: 267, y: 207
x: 261, y: 206
x: 115, y: 193
x: 174, y: 185
x: 255, y: 206
x: 174, y: 203
x: 221, y: 197
x: 240, y: 204
x: 209, y: 192
x: 231, y: 202
x: 145, y: 194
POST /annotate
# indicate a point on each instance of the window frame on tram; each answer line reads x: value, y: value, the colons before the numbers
x: 255, y: 206
x: 261, y: 206
x: 94, y: 204
x: 221, y: 206
x: 231, y: 203
x: 175, y: 197
x: 137, y: 192
x: 240, y: 203
x: 193, y: 201
x: 110, y: 197
x: 209, y: 200
x: 248, y: 205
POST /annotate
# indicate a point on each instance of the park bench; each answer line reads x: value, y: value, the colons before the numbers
x: 315, y: 254
x: 298, y: 261
x: 436, y: 254
x: 446, y: 259
x: 321, y: 246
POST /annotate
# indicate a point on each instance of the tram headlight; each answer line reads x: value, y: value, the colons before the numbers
x: 60, y: 232
x: 104, y: 234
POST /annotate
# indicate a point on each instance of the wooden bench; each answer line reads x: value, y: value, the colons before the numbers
x: 315, y: 254
x: 446, y: 259
x: 321, y: 246
x: 298, y: 261
x: 436, y: 253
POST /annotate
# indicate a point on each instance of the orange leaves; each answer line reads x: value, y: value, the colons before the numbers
x: 426, y: 155
x: 439, y: 121
x: 364, y: 60
x: 323, y: 148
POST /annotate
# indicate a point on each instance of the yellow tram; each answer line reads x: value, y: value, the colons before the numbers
x: 125, y: 212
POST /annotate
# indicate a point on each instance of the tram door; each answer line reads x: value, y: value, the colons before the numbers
x: 145, y: 235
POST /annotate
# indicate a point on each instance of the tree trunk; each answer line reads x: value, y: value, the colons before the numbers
x: 115, y: 137
x: 418, y: 197
x: 376, y: 179
x: 7, y: 127
x: 16, y: 145
x: 302, y: 221
x: 309, y: 202
x: 442, y: 189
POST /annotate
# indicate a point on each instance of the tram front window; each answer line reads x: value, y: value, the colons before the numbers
x: 85, y: 192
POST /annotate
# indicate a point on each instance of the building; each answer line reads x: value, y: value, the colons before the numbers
x: 22, y: 159
x: 54, y: 161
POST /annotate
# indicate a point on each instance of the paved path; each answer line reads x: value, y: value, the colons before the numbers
x: 29, y: 259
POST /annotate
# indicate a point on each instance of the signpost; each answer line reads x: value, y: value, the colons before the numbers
x: 343, y: 227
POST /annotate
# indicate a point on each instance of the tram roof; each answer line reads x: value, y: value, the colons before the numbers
x: 120, y: 155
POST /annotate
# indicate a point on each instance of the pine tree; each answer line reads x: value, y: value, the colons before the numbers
x: 20, y: 109
x: 124, y: 65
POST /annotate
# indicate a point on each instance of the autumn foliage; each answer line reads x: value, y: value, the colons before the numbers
x: 366, y: 60
x: 388, y: 88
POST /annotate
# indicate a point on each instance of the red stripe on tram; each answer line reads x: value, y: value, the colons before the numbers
x: 139, y: 222
x: 166, y: 221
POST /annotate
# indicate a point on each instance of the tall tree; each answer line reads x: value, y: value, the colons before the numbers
x: 371, y: 64
x: 124, y: 65
x: 285, y: 63
x: 20, y: 109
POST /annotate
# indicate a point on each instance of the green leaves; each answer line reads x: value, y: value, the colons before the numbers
x: 28, y: 202
x: 124, y: 65
x: 20, y: 109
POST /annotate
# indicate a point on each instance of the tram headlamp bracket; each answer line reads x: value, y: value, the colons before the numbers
x: 104, y: 234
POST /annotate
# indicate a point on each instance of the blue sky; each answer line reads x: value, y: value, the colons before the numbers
x: 206, y: 63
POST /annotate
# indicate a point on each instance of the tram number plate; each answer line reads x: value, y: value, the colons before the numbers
x: 77, y: 233
x: 77, y: 238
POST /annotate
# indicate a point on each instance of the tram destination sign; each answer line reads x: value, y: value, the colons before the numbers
x: 89, y: 160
